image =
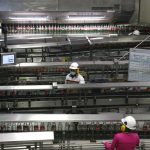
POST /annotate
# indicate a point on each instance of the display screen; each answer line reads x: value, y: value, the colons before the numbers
x: 8, y: 59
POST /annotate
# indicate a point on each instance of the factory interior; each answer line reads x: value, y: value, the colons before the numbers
x: 40, y: 40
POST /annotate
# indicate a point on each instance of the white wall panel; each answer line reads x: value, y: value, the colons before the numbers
x: 145, y: 11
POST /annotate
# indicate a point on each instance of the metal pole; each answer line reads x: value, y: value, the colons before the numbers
x: 139, y: 13
x: 35, y: 146
x: 41, y: 146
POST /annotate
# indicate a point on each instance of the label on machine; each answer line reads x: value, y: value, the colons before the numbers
x: 139, y: 65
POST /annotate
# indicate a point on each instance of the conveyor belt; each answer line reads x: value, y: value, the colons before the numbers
x: 37, y: 45
x: 82, y: 63
x: 60, y: 117
x: 70, y: 146
x: 75, y: 86
x: 123, y: 39
x: 69, y: 118
x: 26, y: 136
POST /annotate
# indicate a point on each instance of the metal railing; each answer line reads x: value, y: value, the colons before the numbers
x: 64, y: 146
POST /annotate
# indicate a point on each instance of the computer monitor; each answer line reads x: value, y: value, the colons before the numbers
x: 8, y: 58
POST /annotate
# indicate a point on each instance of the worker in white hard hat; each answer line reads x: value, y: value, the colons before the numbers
x: 74, y: 75
x: 128, y: 139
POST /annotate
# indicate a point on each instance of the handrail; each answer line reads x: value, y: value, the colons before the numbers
x: 26, y: 136
x: 69, y: 117
x: 75, y: 86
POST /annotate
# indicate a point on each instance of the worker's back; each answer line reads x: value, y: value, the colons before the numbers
x: 127, y: 141
x: 124, y: 141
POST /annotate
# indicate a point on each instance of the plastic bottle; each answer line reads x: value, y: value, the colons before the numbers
x: 31, y: 127
x: 145, y: 128
x: 49, y: 126
x: 97, y: 127
x: 8, y: 127
x: 19, y: 127
x: 53, y: 128
x: 14, y: 127
x: 26, y: 127
x: 67, y: 126
x: 4, y: 127
x: 59, y: 126
x: 36, y: 126
x: 42, y: 126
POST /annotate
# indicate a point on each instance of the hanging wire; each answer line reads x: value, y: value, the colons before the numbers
x: 134, y: 47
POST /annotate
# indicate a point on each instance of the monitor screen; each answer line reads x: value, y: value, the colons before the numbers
x: 8, y: 58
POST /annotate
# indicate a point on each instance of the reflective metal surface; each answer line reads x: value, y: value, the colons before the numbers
x: 145, y: 116
x: 76, y: 86
x: 28, y: 87
x: 26, y: 136
x: 81, y: 63
x: 26, y: 37
x: 37, y: 45
x: 60, y: 117
x: 104, y: 85
x: 60, y: 17
x: 69, y: 117
x: 120, y: 39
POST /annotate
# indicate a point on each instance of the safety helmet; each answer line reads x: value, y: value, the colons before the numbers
x: 136, y: 32
x: 74, y: 65
x: 129, y: 122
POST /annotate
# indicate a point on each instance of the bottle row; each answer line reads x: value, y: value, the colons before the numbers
x: 62, y: 92
x: 57, y: 126
x: 51, y: 93
x: 83, y: 28
x: 66, y: 126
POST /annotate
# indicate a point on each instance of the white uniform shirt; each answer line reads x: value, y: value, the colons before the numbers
x: 77, y: 79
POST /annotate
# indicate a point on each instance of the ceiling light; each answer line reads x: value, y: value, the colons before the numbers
x: 29, y: 18
x: 110, y: 11
x: 97, y: 38
x: 75, y: 18
x: 19, y: 14
x: 33, y: 38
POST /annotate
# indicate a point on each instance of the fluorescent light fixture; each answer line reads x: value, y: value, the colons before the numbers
x: 88, y: 18
x: 97, y: 38
x: 110, y: 11
x: 33, y: 38
x: 113, y: 35
x: 29, y: 18
x: 19, y: 14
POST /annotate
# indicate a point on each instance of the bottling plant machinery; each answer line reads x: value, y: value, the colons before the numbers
x: 28, y: 87
x: 70, y: 116
x: 70, y: 131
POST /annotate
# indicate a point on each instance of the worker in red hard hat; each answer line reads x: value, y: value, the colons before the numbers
x: 127, y: 140
x: 74, y: 75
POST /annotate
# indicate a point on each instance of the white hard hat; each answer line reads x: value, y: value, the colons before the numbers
x: 136, y: 32
x: 74, y: 65
x: 129, y: 122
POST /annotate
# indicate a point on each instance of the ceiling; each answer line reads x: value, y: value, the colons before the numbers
x: 58, y: 9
